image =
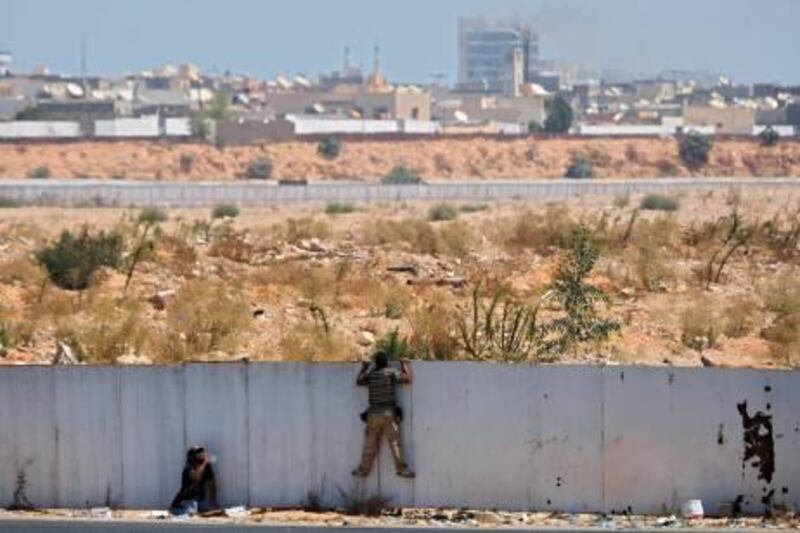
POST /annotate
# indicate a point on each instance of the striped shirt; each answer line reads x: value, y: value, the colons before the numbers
x: 381, y: 384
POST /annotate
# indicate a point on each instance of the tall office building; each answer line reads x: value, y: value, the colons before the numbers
x: 490, y: 52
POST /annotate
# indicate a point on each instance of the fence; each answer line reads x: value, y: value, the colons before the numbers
x: 195, y: 194
x: 479, y: 435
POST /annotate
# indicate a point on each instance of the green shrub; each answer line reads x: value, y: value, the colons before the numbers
x: 225, y: 211
x: 6, y: 202
x: 329, y: 148
x: 401, y: 175
x: 259, y: 169
x: 473, y: 208
x: 442, y: 212
x: 339, y: 208
x: 769, y: 137
x: 559, y: 116
x: 394, y: 346
x: 73, y: 259
x: 42, y: 172
x: 694, y: 149
x: 659, y: 202
x: 579, y: 168
x: 187, y: 162
x: 150, y: 216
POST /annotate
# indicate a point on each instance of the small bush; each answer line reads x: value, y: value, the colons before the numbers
x: 534, y: 127
x: 579, y: 168
x: 187, y: 162
x: 73, y: 259
x: 538, y: 230
x: 433, y: 332
x: 297, y: 229
x: 699, y: 323
x: 329, y: 148
x: 769, y: 137
x: 42, y: 172
x: 632, y: 154
x: 621, y: 201
x: 224, y: 211
x: 394, y: 346
x: 473, y: 208
x: 659, y: 202
x: 339, y: 208
x: 651, y: 265
x: 259, y: 169
x: 150, y: 216
x: 6, y: 202
x: 694, y: 149
x: 442, y: 212
x: 206, y: 317
x: 739, y: 317
x: 401, y: 175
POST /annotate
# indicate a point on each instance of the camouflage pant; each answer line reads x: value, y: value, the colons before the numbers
x: 379, y: 423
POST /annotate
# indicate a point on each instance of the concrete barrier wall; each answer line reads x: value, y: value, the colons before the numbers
x: 479, y: 435
x: 189, y: 194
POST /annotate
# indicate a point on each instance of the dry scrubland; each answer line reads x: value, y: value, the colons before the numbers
x: 441, y: 158
x: 715, y: 280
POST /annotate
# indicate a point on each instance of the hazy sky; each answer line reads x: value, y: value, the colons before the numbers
x: 748, y: 39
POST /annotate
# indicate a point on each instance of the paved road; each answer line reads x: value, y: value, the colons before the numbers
x: 85, y: 526
x: 205, y: 193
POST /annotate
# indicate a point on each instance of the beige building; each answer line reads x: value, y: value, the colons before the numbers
x: 727, y: 120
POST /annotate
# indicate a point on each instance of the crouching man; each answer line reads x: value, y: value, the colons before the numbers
x: 384, y: 415
x: 198, y: 487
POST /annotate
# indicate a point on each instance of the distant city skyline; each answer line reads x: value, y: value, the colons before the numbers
x: 747, y: 40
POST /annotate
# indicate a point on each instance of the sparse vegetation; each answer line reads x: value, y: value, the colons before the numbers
x: 473, y: 208
x: 308, y: 285
x: 339, y: 208
x: 41, y: 172
x: 441, y: 212
x: 694, y: 150
x: 205, y: 317
x: 187, y: 162
x: 73, y: 259
x: 659, y: 202
x: 579, y: 168
x: 401, y: 175
x: 150, y: 216
x: 6, y: 202
x: 769, y: 137
x: 259, y: 169
x: 224, y: 211
x: 329, y: 148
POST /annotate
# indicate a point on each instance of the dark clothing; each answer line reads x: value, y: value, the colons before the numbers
x: 194, y: 487
x: 381, y: 384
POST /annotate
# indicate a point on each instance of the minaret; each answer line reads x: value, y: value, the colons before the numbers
x: 376, y: 67
x: 346, y: 58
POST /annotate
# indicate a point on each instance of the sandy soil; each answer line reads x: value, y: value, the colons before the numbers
x: 442, y: 158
